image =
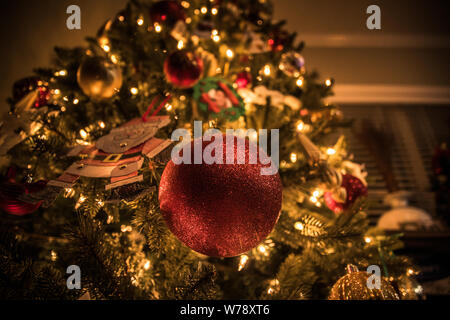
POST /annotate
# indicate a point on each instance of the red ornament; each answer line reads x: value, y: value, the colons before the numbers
x: 220, y: 210
x: 10, y: 191
x: 278, y: 40
x: 183, y: 69
x: 243, y: 79
x: 354, y: 188
x: 167, y: 13
x: 22, y: 87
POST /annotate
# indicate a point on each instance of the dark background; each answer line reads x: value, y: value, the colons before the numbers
x: 412, y: 47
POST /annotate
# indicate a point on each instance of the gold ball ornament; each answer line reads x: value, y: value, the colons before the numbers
x: 353, y: 286
x: 99, y: 78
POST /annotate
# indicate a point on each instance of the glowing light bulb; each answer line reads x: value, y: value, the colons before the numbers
x: 158, y: 27
x: 328, y: 82
x: 204, y: 10
x: 147, y: 265
x: 83, y: 134
x: 242, y: 262
x: 331, y: 151
x: 299, y: 82
x: 230, y: 54
x: 316, y: 193
x: 300, y: 126
x: 180, y: 45
x: 293, y: 157
x: 140, y: 21
x: 106, y: 48
x: 214, y: 11
x: 76, y: 101
x: 368, y: 239
x: 169, y: 107
x: 267, y: 70
x: 102, y: 124
x: 114, y: 59
x: 134, y: 91
x: 299, y: 226
x: 216, y: 38
x: 185, y: 4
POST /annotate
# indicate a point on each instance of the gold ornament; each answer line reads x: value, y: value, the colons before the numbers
x: 99, y: 78
x: 353, y: 286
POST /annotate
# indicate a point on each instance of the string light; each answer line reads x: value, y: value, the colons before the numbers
x: 53, y: 255
x: 214, y: 11
x: 299, y: 226
x: 102, y: 124
x: 83, y: 134
x: 410, y: 271
x: 57, y: 91
x: 140, y: 22
x: 69, y: 193
x: 61, y: 73
x: 204, y: 10
x: 188, y: 20
x: 299, y: 82
x: 196, y: 12
x: 75, y: 101
x: 293, y: 157
x: 147, y: 264
x: 114, y: 59
x: 134, y: 91
x: 121, y: 18
x: 316, y: 193
x: 180, y: 45
x: 230, y: 54
x: 267, y: 70
x: 158, y: 27
x: 328, y: 82
x: 106, y: 48
x: 368, y: 239
x: 169, y: 107
x: 125, y: 228
x: 216, y: 38
x: 331, y: 151
x: 185, y: 4
x: 300, y: 126
x: 242, y: 262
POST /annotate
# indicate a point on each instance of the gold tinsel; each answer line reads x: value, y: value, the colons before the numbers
x: 353, y: 286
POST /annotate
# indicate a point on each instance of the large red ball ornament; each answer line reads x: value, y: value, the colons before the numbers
x: 220, y: 210
x: 183, y: 69
x: 354, y: 188
x: 167, y: 13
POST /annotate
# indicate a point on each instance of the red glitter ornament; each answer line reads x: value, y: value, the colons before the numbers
x: 354, y: 188
x: 10, y: 191
x: 243, y: 79
x: 220, y: 210
x: 183, y: 69
x: 167, y: 13
x: 24, y: 86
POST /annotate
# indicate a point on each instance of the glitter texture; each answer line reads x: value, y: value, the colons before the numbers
x: 353, y: 286
x: 220, y: 210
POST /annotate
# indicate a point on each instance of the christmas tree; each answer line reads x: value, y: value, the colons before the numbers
x: 88, y: 180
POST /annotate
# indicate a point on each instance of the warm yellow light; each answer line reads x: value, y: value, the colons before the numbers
x: 102, y: 124
x: 410, y: 271
x: 313, y: 199
x: 114, y: 59
x: 331, y: 151
x: 106, y: 48
x: 185, y: 4
x: 121, y: 18
x: 158, y: 27
x: 147, y: 265
x: 270, y: 291
x: 316, y: 193
x: 134, y: 91
x: 215, y: 32
x: 81, y: 199
x: 368, y: 239
x: 196, y: 11
x: 299, y: 226
x: 293, y: 157
x: 242, y: 262
x: 63, y: 109
x: 53, y: 255
x: 300, y: 126
x: 169, y: 107
x: 216, y: 38
x: 267, y: 70
x: 299, y: 82
x: 140, y: 22
x: 180, y: 45
x: 214, y: 11
x: 204, y: 10
x: 83, y: 134
x: 56, y: 91
x: 76, y: 101
x: 262, y: 248
x: 230, y: 54
x: 62, y: 73
x: 188, y: 20
x: 328, y: 82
